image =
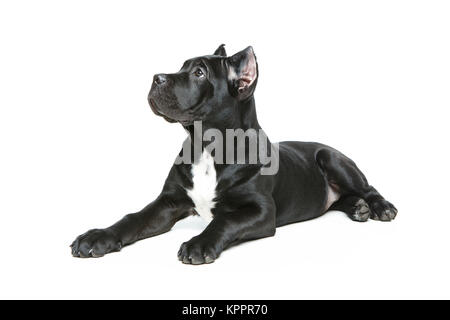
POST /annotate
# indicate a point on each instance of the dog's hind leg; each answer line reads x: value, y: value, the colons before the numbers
x: 357, y: 198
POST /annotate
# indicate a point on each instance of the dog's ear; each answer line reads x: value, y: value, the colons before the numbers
x: 243, y: 73
x: 220, y: 51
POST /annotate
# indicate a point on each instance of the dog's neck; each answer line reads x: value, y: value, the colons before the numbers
x: 243, y: 117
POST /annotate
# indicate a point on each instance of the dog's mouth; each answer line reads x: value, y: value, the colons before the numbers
x: 158, y: 112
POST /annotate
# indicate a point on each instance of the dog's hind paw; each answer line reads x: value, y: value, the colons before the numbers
x: 360, y: 211
x: 382, y: 210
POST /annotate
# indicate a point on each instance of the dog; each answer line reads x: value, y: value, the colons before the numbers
x: 241, y: 201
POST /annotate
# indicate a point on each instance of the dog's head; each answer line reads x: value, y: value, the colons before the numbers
x: 205, y: 87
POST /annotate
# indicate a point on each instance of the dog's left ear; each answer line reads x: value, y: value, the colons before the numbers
x: 243, y: 73
x: 220, y: 51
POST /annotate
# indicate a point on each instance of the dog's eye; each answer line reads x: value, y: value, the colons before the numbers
x: 199, y: 73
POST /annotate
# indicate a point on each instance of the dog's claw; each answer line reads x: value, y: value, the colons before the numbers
x: 186, y: 260
x: 208, y: 259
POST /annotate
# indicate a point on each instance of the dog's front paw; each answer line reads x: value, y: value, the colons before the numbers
x: 382, y: 210
x: 197, y: 251
x: 95, y: 243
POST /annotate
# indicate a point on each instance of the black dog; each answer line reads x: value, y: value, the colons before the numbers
x: 241, y: 202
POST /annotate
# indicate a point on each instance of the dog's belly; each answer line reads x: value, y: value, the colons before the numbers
x: 204, y: 180
x: 301, y: 190
x: 332, y: 197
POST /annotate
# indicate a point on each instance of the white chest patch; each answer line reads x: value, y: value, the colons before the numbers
x: 204, y: 182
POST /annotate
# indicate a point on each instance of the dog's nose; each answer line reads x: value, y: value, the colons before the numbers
x: 159, y: 79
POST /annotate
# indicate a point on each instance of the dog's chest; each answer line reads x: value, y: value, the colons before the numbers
x: 204, y: 182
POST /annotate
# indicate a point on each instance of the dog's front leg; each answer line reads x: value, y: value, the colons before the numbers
x: 156, y: 218
x: 228, y: 228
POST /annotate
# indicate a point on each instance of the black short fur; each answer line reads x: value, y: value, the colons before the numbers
x: 218, y: 90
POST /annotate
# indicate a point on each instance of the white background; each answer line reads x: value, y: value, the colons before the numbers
x: 80, y: 147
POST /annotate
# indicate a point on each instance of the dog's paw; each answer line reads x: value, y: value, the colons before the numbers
x: 95, y: 243
x: 382, y: 210
x: 196, y: 251
x: 360, y: 211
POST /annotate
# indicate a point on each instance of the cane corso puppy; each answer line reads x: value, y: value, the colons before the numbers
x: 244, y: 199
